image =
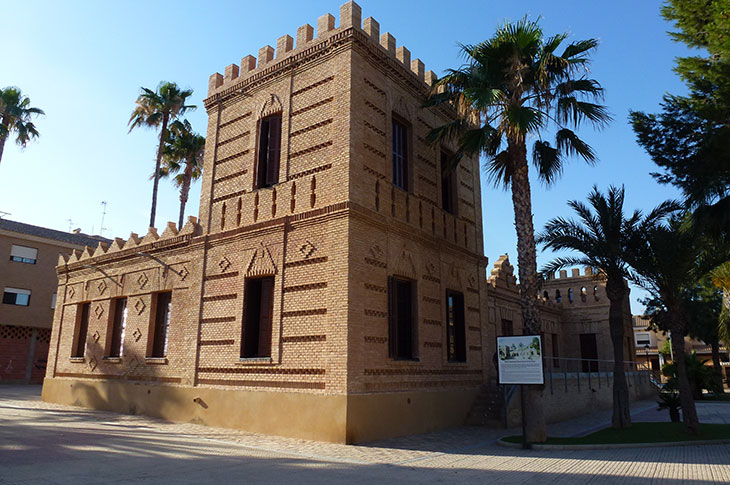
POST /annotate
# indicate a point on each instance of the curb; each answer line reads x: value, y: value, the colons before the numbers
x: 614, y: 446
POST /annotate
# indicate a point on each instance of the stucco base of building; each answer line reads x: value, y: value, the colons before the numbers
x: 296, y: 415
x: 386, y: 415
x: 334, y: 418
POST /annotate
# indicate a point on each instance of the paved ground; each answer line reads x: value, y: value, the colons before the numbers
x: 46, y: 443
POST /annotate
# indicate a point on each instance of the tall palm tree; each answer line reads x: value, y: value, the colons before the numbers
x: 512, y: 87
x: 183, y: 153
x: 664, y: 260
x: 602, y: 235
x: 15, y: 117
x: 158, y: 109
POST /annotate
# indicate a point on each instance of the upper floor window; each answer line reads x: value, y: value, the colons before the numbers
x: 267, y: 172
x: 448, y: 185
x: 16, y: 296
x: 82, y: 328
x: 400, y: 154
x: 115, y: 333
x: 22, y: 254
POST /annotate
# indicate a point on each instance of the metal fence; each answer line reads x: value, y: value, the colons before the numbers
x: 560, y: 371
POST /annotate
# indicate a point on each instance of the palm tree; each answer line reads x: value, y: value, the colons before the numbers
x: 602, y: 235
x: 183, y: 150
x: 513, y: 86
x: 15, y: 116
x: 159, y: 108
x: 664, y: 260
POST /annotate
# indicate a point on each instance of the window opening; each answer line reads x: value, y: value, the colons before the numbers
x: 22, y: 254
x: 160, y: 330
x: 82, y: 327
x: 118, y: 325
x: 269, y: 151
x: 400, y: 154
x: 258, y: 307
x: 16, y: 296
x: 402, y: 316
x: 448, y: 186
x: 455, y: 326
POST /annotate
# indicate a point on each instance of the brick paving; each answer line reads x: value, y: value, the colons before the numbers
x: 47, y: 443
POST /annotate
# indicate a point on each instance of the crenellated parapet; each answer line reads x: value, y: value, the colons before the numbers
x: 119, y: 248
x: 586, y: 288
x: 289, y: 52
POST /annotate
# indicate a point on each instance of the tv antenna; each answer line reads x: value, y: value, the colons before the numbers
x: 101, y: 227
x: 3, y: 214
x: 70, y: 225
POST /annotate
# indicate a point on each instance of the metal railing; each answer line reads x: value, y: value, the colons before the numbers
x: 560, y: 371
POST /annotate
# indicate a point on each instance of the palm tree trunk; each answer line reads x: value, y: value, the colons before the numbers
x: 527, y: 271
x: 616, y: 291
x: 156, y: 183
x: 184, y: 192
x: 716, y: 369
x: 689, y: 412
x: 2, y: 146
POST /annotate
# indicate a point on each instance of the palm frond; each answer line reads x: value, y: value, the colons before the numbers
x: 569, y: 143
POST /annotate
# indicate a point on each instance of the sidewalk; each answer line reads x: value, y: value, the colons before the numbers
x: 46, y: 443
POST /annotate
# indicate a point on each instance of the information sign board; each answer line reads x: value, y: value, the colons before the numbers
x: 519, y: 359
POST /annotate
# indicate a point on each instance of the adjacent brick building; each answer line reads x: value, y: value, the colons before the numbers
x: 28, y: 258
x: 333, y: 286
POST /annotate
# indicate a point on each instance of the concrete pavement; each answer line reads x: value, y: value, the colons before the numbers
x: 46, y: 443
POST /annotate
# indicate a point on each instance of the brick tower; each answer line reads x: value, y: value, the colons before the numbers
x: 333, y: 285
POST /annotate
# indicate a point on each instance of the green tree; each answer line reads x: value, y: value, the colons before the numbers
x: 515, y: 86
x: 664, y: 259
x: 602, y: 234
x: 158, y: 109
x: 15, y: 117
x: 690, y: 139
x: 182, y: 156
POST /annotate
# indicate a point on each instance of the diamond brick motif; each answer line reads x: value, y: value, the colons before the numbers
x: 142, y: 280
x: 101, y: 287
x: 92, y: 363
x: 71, y: 292
x: 139, y: 306
x: 183, y: 273
x: 137, y: 335
x: 307, y: 249
x: 98, y: 310
x: 376, y: 251
x: 430, y: 268
x: 224, y: 264
x: 472, y: 281
x: 96, y: 336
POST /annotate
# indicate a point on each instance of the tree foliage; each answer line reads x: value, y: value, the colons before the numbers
x: 16, y: 116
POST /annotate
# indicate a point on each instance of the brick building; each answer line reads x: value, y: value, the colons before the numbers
x: 28, y: 258
x: 333, y: 286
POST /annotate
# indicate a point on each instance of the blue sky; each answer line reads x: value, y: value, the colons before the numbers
x: 84, y: 62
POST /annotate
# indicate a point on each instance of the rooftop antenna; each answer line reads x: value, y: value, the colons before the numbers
x: 3, y: 214
x: 101, y: 227
x: 70, y: 225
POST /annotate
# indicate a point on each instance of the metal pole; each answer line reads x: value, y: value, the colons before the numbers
x: 524, y: 426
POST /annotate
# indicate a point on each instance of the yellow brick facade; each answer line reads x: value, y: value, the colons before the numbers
x: 330, y: 232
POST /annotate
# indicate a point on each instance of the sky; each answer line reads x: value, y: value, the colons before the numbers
x: 83, y: 63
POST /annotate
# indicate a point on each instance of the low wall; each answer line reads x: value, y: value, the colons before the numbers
x: 583, y: 395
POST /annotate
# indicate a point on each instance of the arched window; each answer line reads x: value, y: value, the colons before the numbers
x: 558, y: 298
x: 595, y: 293
x: 545, y: 295
x: 570, y: 295
x: 583, y: 294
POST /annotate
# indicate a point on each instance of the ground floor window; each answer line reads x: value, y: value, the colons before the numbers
x: 82, y: 326
x: 118, y: 323
x: 162, y: 304
x: 402, y: 318
x: 258, y: 308
x: 455, y: 326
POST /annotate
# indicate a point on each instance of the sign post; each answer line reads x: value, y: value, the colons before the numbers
x: 519, y: 361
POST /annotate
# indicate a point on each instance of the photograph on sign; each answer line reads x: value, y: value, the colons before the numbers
x: 519, y: 359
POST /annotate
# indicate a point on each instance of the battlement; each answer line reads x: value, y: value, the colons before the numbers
x: 119, y: 247
x: 588, y: 272
x: 350, y: 18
